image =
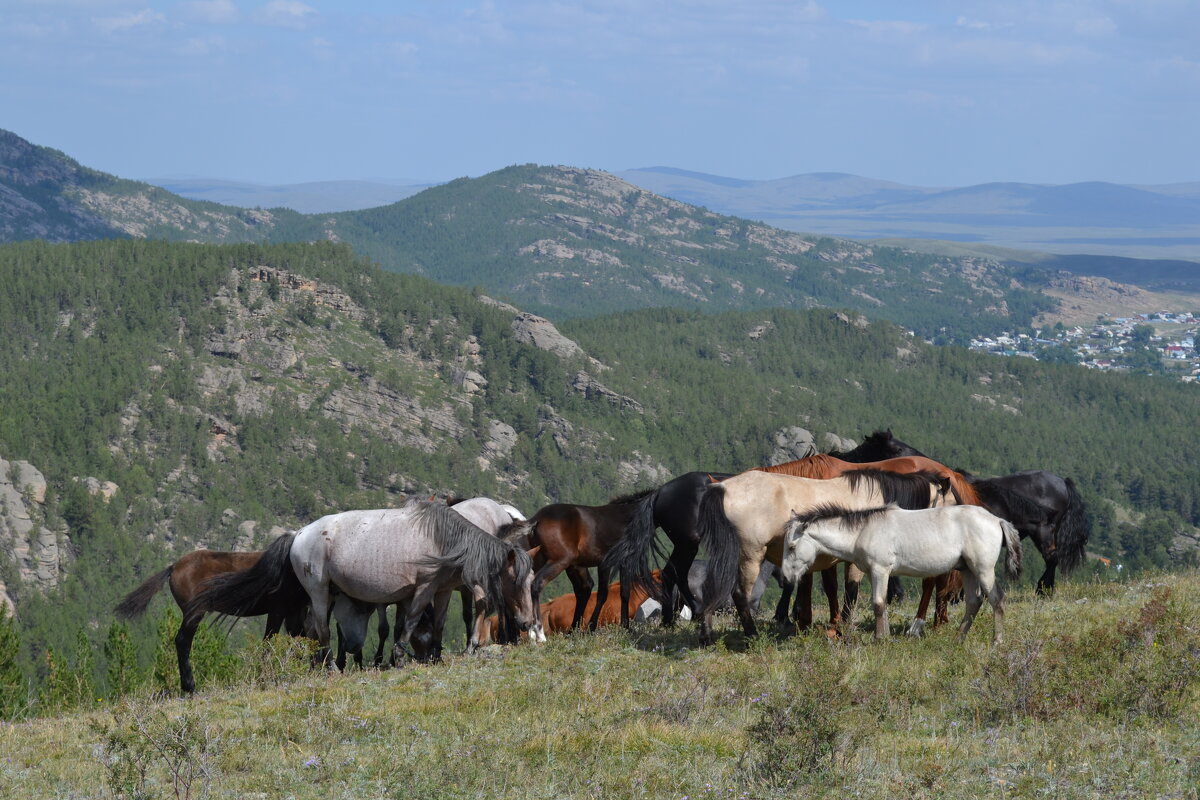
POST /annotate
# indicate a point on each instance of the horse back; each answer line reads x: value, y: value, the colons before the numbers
x: 196, y: 567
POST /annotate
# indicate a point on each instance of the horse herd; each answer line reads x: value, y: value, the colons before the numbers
x: 883, y: 508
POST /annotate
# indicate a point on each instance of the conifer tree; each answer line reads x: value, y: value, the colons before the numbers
x: 120, y: 657
x: 14, y: 690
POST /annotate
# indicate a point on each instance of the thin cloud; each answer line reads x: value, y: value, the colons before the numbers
x: 136, y: 19
x: 285, y: 14
x: 217, y: 12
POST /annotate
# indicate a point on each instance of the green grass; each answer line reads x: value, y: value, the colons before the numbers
x: 1095, y: 693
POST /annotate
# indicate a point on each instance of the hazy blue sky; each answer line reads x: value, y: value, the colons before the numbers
x: 929, y: 93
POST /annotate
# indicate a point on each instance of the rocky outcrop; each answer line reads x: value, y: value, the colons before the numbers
x: 791, y: 444
x: 36, y: 550
x: 541, y: 333
x: 591, y: 388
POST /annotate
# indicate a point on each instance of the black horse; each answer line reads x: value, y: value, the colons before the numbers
x: 675, y: 506
x: 1046, y: 508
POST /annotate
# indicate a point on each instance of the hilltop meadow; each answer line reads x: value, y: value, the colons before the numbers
x: 1094, y: 693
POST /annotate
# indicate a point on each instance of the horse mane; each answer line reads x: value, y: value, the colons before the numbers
x: 817, y: 466
x: 631, y: 497
x: 906, y: 489
x: 479, y: 555
x: 849, y: 517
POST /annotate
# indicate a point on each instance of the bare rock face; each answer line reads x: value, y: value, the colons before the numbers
x: 591, y: 388
x: 831, y: 441
x: 541, y: 333
x: 640, y: 469
x: 792, y: 444
x: 37, y: 551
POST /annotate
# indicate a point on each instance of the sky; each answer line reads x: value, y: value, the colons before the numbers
x: 935, y: 93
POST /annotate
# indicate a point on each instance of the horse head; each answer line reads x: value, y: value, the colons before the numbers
x: 799, y: 552
x: 516, y: 584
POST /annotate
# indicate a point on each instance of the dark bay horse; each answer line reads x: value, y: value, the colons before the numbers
x: 675, y: 506
x: 573, y: 538
x: 287, y: 604
x: 1044, y: 507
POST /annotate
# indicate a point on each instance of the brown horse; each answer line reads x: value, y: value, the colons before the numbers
x: 288, y: 605
x: 559, y: 613
x: 826, y: 466
x: 572, y: 539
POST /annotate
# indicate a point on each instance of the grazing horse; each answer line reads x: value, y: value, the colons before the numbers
x: 286, y: 605
x: 742, y: 520
x: 573, y: 538
x: 674, y: 507
x: 490, y: 516
x: 418, y: 554
x: 1046, y: 508
x: 824, y: 466
x: 894, y: 541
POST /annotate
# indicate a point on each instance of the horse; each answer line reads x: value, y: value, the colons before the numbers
x: 894, y: 541
x: 490, y: 516
x: 1044, y: 507
x: 573, y: 538
x: 557, y: 615
x: 826, y: 466
x: 674, y: 507
x: 287, y: 605
x: 418, y: 553
x: 742, y: 519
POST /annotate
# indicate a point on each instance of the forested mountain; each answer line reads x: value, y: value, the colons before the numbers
x: 556, y: 240
x: 213, y: 393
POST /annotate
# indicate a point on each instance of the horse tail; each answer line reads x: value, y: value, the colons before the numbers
x: 630, y: 556
x: 521, y: 533
x: 135, y: 603
x: 244, y: 592
x: 1070, y: 539
x: 719, y: 538
x: 1012, y: 547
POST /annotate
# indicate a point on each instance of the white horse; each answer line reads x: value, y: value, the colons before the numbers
x: 891, y: 541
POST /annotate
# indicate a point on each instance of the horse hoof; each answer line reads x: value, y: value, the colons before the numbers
x: 917, y: 629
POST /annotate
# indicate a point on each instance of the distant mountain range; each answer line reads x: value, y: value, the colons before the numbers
x: 566, y: 242
x: 318, y: 197
x: 1157, y: 222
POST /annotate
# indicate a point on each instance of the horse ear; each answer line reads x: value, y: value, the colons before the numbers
x: 533, y: 551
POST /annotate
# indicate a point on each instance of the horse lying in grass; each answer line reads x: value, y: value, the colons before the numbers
x: 558, y: 615
x: 892, y: 541
x: 286, y: 604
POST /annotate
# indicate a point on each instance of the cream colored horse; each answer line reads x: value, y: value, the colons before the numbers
x: 891, y: 541
x: 742, y: 518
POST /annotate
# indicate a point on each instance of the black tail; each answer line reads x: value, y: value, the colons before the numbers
x: 248, y: 592
x: 719, y: 538
x: 630, y: 556
x: 135, y: 602
x: 1072, y: 534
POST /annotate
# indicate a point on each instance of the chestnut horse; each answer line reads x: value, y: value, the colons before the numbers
x: 573, y: 538
x: 559, y: 613
x: 287, y: 605
x: 674, y: 507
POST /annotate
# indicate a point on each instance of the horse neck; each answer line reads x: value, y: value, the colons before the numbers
x: 832, y: 538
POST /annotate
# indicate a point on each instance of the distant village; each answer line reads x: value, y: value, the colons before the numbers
x: 1162, y: 343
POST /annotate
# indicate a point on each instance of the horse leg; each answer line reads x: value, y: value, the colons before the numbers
x: 941, y: 599
x: 381, y: 630
x: 802, y: 611
x: 422, y: 597
x: 319, y: 594
x: 853, y: 579
x: 749, y: 569
x: 602, y: 576
x: 995, y: 596
x: 183, y: 651
x: 581, y: 581
x: 830, y: 587
x: 1045, y: 584
x: 441, y: 607
x: 785, y: 598
x: 274, y: 623
x: 973, y: 600
x: 879, y: 578
x: 917, y: 628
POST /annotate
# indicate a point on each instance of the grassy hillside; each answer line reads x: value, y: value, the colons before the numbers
x: 226, y: 391
x: 1094, y: 694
